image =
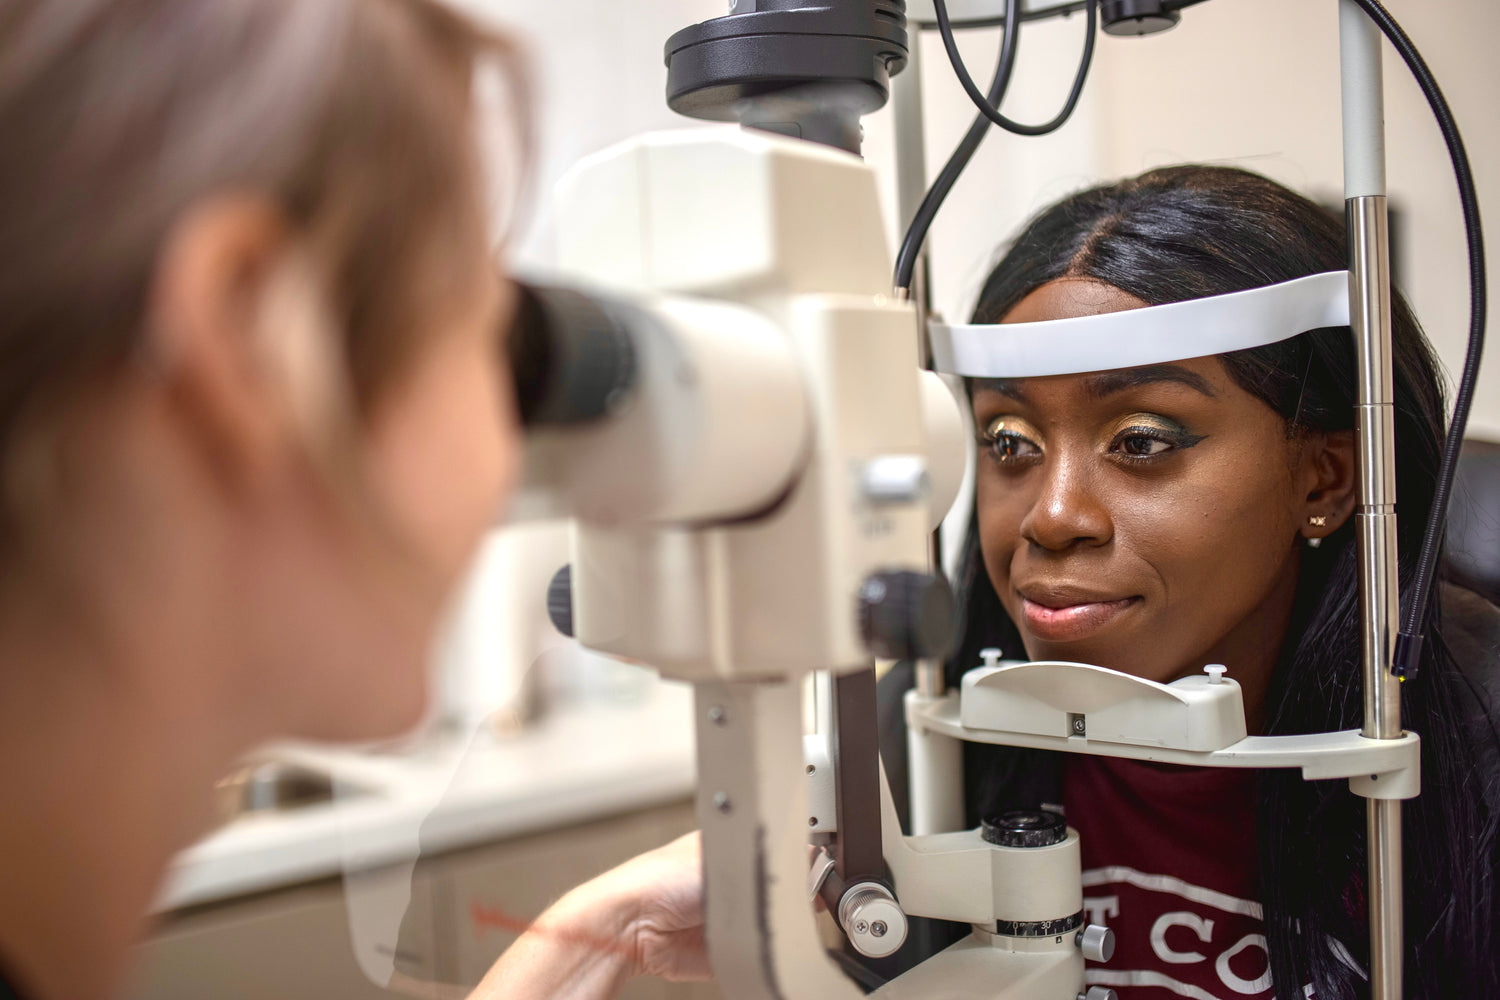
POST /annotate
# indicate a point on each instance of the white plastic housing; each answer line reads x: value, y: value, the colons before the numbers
x: 1054, y: 698
x: 792, y: 232
x: 947, y: 443
x: 723, y: 211
x: 716, y: 426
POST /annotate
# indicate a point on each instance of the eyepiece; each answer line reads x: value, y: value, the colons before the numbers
x: 571, y: 354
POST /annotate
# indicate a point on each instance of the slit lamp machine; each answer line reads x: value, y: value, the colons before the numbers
x: 736, y: 404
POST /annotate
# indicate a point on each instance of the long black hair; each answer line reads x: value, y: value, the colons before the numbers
x: 1188, y: 232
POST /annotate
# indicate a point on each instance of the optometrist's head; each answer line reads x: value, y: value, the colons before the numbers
x: 253, y: 400
x: 1154, y: 518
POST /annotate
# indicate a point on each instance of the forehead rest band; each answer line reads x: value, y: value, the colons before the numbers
x: 1151, y: 335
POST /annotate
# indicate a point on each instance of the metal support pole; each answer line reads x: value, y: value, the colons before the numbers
x: 911, y: 186
x: 752, y: 806
x: 911, y: 148
x: 1370, y: 316
x: 856, y: 766
x: 935, y: 773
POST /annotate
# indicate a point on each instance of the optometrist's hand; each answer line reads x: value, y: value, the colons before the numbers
x: 644, y: 918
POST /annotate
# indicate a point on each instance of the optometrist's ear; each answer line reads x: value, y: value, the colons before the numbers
x: 239, y: 331
x: 1327, y: 480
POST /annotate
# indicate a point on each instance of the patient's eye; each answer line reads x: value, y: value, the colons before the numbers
x: 1149, y: 436
x: 1010, y: 442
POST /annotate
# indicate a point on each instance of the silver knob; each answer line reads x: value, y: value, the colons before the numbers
x: 875, y: 924
x: 1097, y: 944
x: 895, y: 479
x: 1099, y: 993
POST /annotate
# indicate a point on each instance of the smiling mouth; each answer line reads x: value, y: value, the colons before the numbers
x: 1057, y: 621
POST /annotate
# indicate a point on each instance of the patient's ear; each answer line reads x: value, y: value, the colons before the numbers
x: 1327, y: 478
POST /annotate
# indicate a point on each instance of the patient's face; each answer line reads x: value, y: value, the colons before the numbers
x: 1143, y: 519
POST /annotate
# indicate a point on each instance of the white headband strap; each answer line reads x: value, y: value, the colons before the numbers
x: 1151, y: 335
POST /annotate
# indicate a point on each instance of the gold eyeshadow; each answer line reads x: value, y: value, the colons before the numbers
x: 1009, y: 425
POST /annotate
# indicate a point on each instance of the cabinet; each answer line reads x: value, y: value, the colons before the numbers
x: 294, y: 943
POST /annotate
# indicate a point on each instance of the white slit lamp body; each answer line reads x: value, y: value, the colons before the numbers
x: 782, y: 448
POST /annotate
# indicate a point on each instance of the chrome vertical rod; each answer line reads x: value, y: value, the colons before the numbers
x: 1369, y: 278
x: 1370, y: 317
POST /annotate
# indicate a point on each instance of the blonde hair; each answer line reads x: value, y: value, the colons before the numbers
x: 116, y: 116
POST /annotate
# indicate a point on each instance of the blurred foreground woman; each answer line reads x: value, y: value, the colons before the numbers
x: 254, y: 419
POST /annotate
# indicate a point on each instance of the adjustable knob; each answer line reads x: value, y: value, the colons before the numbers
x: 871, y: 918
x: 905, y: 615
x: 1024, y: 828
x: 560, y: 600
x: 1097, y: 943
x: 1099, y: 993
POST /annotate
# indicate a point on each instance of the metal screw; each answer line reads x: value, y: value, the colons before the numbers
x: 861, y: 927
x: 878, y: 928
x: 812, y: 821
x: 717, y: 716
x: 811, y: 769
x: 721, y: 802
x: 1078, y: 725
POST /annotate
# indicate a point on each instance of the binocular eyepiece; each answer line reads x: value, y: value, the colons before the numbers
x: 572, y: 355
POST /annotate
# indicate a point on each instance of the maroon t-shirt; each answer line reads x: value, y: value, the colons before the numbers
x: 1169, y: 863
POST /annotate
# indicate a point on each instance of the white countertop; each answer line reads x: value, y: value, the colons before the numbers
x: 577, y: 763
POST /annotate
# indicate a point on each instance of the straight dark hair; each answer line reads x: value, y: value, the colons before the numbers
x: 1187, y: 232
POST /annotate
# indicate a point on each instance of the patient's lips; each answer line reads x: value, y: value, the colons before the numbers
x: 1064, y: 612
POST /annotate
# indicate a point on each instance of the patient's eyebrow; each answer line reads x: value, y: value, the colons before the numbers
x: 1110, y: 382
x: 1010, y: 387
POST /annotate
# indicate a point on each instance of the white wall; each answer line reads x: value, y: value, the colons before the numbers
x: 599, y: 76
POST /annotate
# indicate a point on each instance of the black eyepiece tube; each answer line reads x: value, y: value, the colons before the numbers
x: 571, y: 355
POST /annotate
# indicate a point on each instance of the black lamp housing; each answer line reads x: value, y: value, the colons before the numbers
x: 805, y: 68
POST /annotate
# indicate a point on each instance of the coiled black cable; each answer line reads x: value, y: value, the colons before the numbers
x: 921, y: 222
x: 989, y: 113
x: 989, y: 108
x: 1409, y: 641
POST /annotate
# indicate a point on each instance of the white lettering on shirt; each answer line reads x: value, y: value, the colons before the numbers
x: 1200, y: 926
x: 1248, y: 987
x: 1101, y: 908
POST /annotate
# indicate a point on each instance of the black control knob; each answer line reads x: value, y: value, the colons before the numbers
x: 905, y: 615
x: 560, y: 600
x: 1024, y: 828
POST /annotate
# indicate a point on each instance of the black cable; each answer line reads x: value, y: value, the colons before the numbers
x: 916, y: 233
x: 990, y: 109
x: 1409, y: 641
x: 1044, y: 14
x: 1062, y: 10
x: 921, y: 222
